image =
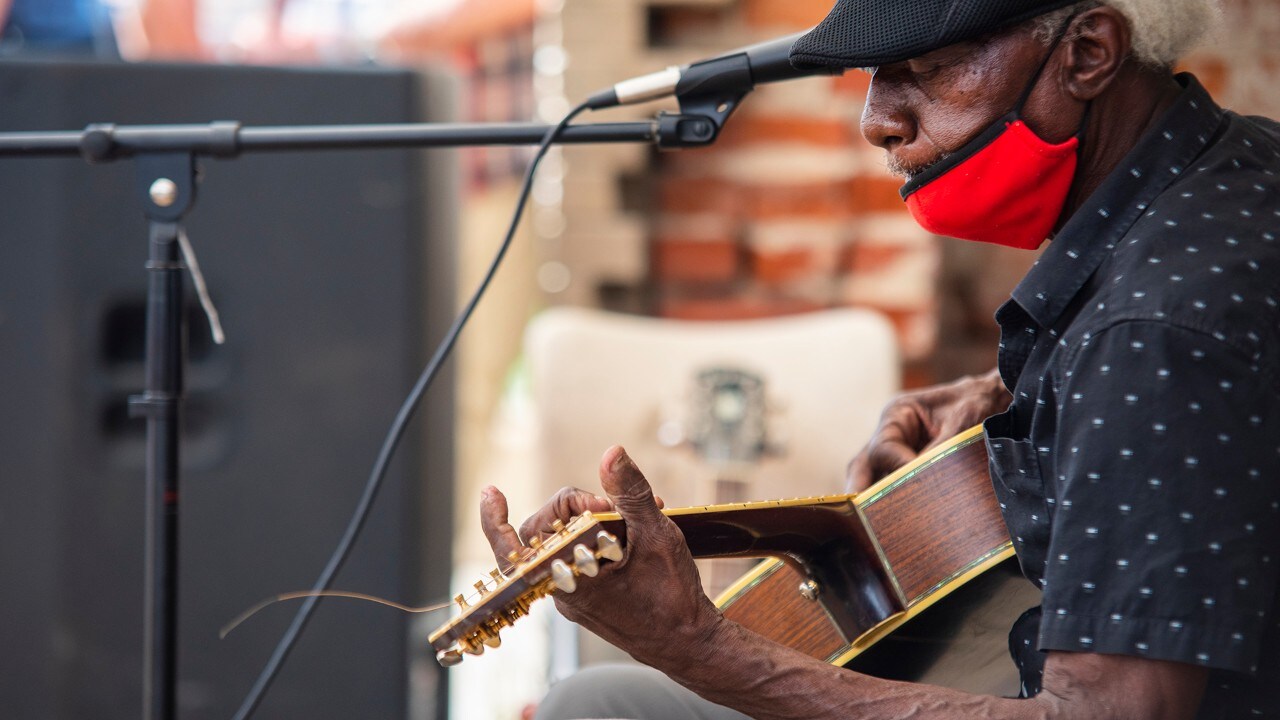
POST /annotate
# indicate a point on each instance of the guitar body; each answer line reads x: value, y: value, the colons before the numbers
x: 941, y: 535
x: 962, y: 642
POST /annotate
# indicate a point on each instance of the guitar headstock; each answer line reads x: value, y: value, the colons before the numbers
x: 572, y: 551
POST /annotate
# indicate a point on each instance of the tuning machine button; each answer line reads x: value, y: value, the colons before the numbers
x: 493, y: 641
x: 562, y: 576
x: 449, y: 658
x: 585, y: 560
x: 608, y: 547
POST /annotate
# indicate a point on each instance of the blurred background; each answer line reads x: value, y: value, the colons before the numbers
x: 735, y: 315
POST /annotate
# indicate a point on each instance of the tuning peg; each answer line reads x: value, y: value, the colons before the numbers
x: 585, y: 560
x: 462, y: 601
x: 513, y: 557
x: 481, y: 587
x: 535, y: 542
x: 562, y: 576
x: 496, y: 575
x: 493, y: 641
x: 557, y: 525
x: 608, y: 546
x: 473, y: 649
x: 449, y: 658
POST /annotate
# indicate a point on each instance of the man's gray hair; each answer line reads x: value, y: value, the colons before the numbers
x: 1163, y: 31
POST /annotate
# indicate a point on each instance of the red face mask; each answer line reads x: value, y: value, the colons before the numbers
x: 1006, y: 186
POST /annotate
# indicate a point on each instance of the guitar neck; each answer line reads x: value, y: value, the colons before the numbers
x: 772, y: 528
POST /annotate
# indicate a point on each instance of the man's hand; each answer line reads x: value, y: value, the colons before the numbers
x: 651, y: 602
x: 567, y: 503
x: 916, y: 421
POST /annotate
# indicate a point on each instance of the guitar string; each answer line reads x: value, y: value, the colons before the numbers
x: 301, y: 594
x: 239, y: 619
x: 507, y: 571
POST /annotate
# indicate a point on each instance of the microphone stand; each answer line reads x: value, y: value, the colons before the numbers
x: 166, y: 159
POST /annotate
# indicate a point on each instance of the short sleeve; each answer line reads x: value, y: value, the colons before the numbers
x: 1167, y: 519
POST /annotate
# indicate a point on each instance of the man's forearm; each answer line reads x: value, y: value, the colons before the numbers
x: 768, y: 681
x: 742, y: 670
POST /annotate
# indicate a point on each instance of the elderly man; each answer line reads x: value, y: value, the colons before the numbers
x: 1136, y: 450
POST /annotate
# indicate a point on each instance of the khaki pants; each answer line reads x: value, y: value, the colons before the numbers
x: 627, y: 692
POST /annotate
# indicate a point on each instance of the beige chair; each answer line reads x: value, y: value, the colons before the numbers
x: 711, y: 411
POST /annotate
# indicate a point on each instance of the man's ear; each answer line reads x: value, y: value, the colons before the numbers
x: 1098, y: 43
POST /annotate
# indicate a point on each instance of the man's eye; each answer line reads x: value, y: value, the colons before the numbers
x: 927, y: 71
x: 929, y: 74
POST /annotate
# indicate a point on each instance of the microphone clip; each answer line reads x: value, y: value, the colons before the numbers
x: 708, y: 93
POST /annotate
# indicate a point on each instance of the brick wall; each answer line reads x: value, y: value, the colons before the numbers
x: 1239, y: 66
x: 790, y: 211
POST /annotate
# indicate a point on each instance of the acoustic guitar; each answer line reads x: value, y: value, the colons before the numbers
x: 911, y: 579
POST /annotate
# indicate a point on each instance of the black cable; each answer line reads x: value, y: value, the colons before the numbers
x: 394, y: 434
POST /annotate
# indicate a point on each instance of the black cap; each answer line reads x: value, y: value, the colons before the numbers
x: 868, y: 33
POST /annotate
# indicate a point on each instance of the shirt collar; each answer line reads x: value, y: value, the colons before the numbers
x: 1162, y: 154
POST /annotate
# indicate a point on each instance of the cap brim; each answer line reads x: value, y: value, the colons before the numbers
x: 870, y: 33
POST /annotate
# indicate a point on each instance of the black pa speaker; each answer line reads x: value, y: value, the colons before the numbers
x: 332, y: 272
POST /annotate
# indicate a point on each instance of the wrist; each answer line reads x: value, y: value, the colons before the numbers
x: 705, y: 648
x: 689, y: 651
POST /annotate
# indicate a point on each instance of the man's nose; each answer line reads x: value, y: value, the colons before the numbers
x: 885, y: 122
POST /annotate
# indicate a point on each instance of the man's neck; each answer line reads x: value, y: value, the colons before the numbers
x: 1117, y: 120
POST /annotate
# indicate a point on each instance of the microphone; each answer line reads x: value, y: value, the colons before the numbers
x: 736, y: 71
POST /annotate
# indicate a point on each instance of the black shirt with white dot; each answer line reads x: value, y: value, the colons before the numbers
x: 1138, y: 467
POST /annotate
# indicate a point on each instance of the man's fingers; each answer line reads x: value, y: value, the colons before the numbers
x: 875, y: 462
x: 966, y: 415
x: 567, y: 503
x: 627, y: 487
x: 858, y: 475
x: 889, y: 456
x: 493, y: 520
x: 889, y: 449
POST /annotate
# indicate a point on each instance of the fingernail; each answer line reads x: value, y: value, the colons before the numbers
x: 620, y: 460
